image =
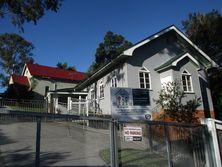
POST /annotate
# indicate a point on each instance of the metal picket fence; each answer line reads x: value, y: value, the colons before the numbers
x: 23, y: 105
x: 43, y: 139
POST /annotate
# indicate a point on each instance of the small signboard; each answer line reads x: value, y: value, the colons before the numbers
x: 130, y: 104
x: 141, y: 97
x: 132, y: 133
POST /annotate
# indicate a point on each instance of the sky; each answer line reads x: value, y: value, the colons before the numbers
x: 73, y: 33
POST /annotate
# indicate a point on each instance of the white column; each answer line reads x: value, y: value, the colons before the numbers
x: 87, y: 107
x: 55, y: 104
x: 49, y: 101
x: 69, y: 103
x: 80, y: 104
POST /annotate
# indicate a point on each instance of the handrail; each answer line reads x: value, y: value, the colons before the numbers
x: 77, y: 117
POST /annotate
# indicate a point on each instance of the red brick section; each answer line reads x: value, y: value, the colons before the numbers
x: 20, y: 80
x: 175, y: 133
x: 52, y: 72
x: 199, y: 114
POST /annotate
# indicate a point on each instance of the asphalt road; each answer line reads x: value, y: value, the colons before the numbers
x: 62, y: 144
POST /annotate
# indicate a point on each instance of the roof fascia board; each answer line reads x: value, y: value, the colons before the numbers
x: 214, y: 64
x: 174, y: 63
x: 24, y: 68
x: 130, y: 51
x: 97, y: 74
x: 11, y: 81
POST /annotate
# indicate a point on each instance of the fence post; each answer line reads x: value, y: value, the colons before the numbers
x: 150, y: 138
x: 211, y: 126
x: 38, y: 138
x: 208, y: 150
x: 113, y: 144
x: 168, y: 146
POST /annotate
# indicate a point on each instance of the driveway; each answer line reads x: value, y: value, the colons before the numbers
x: 62, y: 144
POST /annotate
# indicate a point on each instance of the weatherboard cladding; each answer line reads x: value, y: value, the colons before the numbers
x: 52, y: 72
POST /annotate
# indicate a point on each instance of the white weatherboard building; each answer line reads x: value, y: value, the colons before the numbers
x: 165, y: 56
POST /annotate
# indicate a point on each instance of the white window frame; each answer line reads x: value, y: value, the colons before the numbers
x: 92, y: 94
x: 114, y: 81
x: 144, y: 71
x: 101, y: 90
x: 187, y: 76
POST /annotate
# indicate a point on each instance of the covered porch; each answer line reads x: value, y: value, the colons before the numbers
x: 67, y: 101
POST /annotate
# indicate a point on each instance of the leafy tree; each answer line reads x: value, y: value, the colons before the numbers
x: 171, y: 100
x: 215, y: 78
x: 62, y: 65
x: 65, y: 66
x: 205, y: 30
x: 15, y: 51
x: 112, y: 46
x: 21, y: 11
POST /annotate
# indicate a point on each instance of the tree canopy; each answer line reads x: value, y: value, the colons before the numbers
x: 15, y: 51
x: 112, y: 46
x: 205, y: 30
x: 21, y: 11
x: 65, y: 66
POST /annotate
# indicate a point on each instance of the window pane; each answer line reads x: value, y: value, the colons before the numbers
x: 183, y: 78
x: 144, y: 80
x: 142, y: 86
x: 147, y: 81
x: 186, y: 81
x: 189, y: 88
x: 101, y: 91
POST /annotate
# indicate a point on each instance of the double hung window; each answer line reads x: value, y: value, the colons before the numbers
x: 187, y: 81
x: 144, y: 78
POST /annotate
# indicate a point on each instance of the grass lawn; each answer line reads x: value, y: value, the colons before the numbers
x: 137, y: 158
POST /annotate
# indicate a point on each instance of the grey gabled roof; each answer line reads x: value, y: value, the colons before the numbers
x: 173, y: 61
x: 168, y: 63
x: 129, y: 52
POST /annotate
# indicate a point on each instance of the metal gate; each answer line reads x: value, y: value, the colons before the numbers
x: 42, y: 139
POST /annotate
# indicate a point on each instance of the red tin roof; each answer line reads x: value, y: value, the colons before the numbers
x: 21, y: 80
x: 52, y: 72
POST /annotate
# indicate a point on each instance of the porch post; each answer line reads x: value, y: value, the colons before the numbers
x: 87, y: 107
x: 69, y: 104
x: 80, y: 104
x: 55, y: 104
